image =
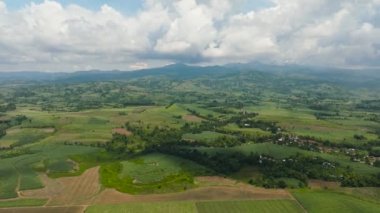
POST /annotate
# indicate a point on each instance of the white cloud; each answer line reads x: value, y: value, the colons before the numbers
x: 190, y: 29
x: 3, y: 7
x: 49, y: 36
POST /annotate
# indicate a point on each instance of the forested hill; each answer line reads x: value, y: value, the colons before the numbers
x: 357, y: 78
x: 177, y: 71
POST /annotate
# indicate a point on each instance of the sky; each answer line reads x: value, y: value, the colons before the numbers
x: 68, y: 35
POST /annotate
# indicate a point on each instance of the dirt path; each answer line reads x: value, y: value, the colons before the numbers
x: 18, y: 184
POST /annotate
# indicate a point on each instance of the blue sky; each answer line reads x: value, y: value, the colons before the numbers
x: 125, y: 6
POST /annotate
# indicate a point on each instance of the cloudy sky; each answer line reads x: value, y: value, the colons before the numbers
x: 70, y: 35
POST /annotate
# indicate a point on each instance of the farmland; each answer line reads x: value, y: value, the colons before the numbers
x: 151, y: 173
x: 200, y: 207
x: 185, y: 207
x: 239, y: 142
x: 22, y: 202
x: 249, y: 206
x: 325, y: 201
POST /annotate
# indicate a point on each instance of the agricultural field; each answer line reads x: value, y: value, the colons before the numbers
x: 249, y: 131
x: 22, y: 202
x: 249, y: 206
x: 151, y: 173
x: 302, y: 121
x: 201, y: 207
x: 238, y: 142
x: 329, y: 201
x: 21, y: 171
x: 204, y: 136
x: 172, y: 207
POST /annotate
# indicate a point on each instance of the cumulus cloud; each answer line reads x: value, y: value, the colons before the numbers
x: 50, y: 36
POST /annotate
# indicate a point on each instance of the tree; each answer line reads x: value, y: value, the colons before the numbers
x: 281, y: 184
x: 2, y: 133
x: 377, y: 163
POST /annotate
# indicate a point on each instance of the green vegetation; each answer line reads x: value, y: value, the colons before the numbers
x: 327, y: 201
x: 204, y: 136
x: 153, y: 132
x: 201, y: 207
x: 249, y: 206
x: 151, y: 173
x: 170, y: 207
x: 364, y: 193
x: 22, y: 203
x: 20, y: 137
x: 25, y: 167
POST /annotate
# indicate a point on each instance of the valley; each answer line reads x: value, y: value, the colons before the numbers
x: 209, y: 140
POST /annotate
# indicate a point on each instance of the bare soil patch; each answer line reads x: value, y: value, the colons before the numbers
x: 122, y: 131
x: 228, y: 191
x: 4, y: 118
x: 192, y: 118
x: 48, y: 130
x: 320, y: 184
x: 71, y: 209
x: 86, y: 190
x: 69, y: 190
x: 215, y: 181
x: 17, y: 130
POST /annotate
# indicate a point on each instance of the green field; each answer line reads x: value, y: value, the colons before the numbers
x: 249, y: 131
x: 326, y: 201
x: 202, y: 207
x: 249, y: 206
x: 22, y: 203
x: 24, y: 136
x: 151, y: 173
x: 365, y: 193
x: 47, y: 158
x: 206, y: 136
x: 303, y: 122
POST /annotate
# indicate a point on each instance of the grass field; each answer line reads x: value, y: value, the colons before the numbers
x: 151, y: 173
x: 328, y: 201
x: 21, y: 172
x: 364, y: 193
x: 87, y: 127
x: 22, y: 203
x: 269, y: 206
x: 158, y: 116
x: 249, y: 131
x: 150, y: 168
x: 24, y: 136
x: 303, y: 122
x: 171, y: 207
x: 206, y: 136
